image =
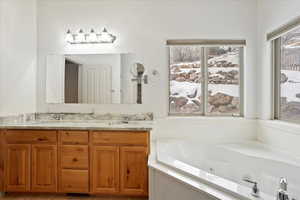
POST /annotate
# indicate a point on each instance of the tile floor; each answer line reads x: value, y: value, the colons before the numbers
x: 12, y: 196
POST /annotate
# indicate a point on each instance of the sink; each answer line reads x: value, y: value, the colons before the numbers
x: 112, y: 123
x: 71, y: 124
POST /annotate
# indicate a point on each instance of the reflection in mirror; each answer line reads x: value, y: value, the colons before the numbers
x: 92, y: 79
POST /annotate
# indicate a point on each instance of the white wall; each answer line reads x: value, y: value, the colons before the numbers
x: 272, y: 14
x: 142, y: 27
x: 206, y: 129
x: 18, y: 56
x: 1, y: 42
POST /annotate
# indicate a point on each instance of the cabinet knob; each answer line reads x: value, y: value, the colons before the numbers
x: 42, y: 139
x: 75, y: 159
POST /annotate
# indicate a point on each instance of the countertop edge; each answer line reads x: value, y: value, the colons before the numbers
x: 76, y: 128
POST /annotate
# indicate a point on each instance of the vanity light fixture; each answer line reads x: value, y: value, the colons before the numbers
x: 90, y: 38
x: 106, y: 37
x: 69, y: 37
x: 93, y: 36
x: 80, y: 38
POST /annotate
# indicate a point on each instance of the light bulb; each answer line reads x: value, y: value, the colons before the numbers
x: 69, y: 37
x: 92, y: 36
x: 106, y: 37
x: 80, y: 37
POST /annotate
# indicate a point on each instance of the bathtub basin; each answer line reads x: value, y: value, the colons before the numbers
x: 224, y: 166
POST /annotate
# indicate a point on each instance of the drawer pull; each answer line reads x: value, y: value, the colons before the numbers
x: 42, y: 139
x: 75, y: 159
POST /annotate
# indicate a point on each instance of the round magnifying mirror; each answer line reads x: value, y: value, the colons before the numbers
x: 138, y: 69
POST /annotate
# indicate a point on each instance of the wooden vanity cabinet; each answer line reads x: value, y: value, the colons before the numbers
x: 2, y: 177
x: 17, y: 165
x: 30, y: 161
x: 44, y: 168
x: 105, y: 170
x: 119, y: 163
x: 134, y: 170
x: 92, y: 162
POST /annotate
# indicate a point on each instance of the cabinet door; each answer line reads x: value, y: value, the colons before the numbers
x: 44, y: 168
x: 17, y: 168
x: 134, y: 170
x: 2, y: 155
x: 105, y: 169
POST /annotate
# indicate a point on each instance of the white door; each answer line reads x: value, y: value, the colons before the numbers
x: 55, y: 79
x: 96, y: 86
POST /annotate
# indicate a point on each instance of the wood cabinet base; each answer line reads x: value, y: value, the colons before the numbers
x: 88, y: 162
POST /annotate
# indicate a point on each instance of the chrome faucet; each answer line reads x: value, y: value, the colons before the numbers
x: 282, y: 191
x: 255, y: 190
x: 58, y: 117
x: 126, y: 120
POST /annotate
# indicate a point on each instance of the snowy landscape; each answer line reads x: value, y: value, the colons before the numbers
x: 223, y: 83
x: 290, y: 94
x: 290, y: 77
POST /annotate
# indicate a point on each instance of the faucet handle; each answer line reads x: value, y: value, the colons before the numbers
x: 246, y: 179
x: 282, y: 191
x: 283, y: 184
x: 255, y: 190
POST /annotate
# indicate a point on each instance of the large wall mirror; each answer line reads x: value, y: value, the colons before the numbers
x: 93, y: 79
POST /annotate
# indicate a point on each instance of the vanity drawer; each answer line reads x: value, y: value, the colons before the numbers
x: 74, y: 181
x: 30, y: 136
x: 120, y: 138
x: 74, y: 157
x: 74, y: 137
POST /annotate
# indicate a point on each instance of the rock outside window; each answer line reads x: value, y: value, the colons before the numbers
x: 205, y: 80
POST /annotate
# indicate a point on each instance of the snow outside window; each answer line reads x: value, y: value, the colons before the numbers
x: 287, y: 83
x: 205, y: 80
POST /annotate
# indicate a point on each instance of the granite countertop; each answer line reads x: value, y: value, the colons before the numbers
x: 81, y: 125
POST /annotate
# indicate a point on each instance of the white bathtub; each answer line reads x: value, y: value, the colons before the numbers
x: 219, y: 169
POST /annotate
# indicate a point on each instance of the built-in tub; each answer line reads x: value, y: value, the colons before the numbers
x: 220, y: 169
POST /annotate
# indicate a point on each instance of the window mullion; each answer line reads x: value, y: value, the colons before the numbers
x: 277, y: 66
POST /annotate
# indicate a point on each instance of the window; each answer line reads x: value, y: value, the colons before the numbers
x: 205, y: 80
x: 287, y: 76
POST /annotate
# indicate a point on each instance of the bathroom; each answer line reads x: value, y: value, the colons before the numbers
x: 163, y: 130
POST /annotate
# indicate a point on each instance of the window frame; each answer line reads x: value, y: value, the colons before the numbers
x: 276, y: 55
x: 204, y: 73
x: 274, y: 39
x: 276, y: 68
